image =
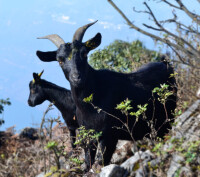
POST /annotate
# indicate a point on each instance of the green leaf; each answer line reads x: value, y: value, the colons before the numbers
x: 124, y: 106
x: 51, y: 144
x: 88, y: 99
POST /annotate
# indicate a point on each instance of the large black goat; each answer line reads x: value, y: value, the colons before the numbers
x: 109, y: 89
x: 42, y: 90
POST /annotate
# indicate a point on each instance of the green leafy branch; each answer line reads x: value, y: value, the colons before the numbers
x: 163, y: 92
x: 2, y: 104
x: 85, y: 137
x: 141, y: 111
x: 57, y: 150
x: 125, y: 107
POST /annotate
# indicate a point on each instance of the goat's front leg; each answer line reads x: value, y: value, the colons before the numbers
x: 90, y: 153
x: 107, y: 148
x: 72, y: 137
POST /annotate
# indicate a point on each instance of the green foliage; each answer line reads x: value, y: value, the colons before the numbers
x: 51, y: 145
x: 177, y: 112
x: 88, y: 99
x: 173, y: 75
x: 162, y: 92
x: 177, y: 173
x: 136, y: 166
x: 157, y: 147
x: 122, y: 56
x: 55, y: 172
x: 125, y: 107
x: 85, y: 137
x: 2, y: 156
x: 141, y: 110
x: 57, y: 150
x: 77, y: 161
x: 192, y: 151
x: 189, y: 151
x: 2, y: 104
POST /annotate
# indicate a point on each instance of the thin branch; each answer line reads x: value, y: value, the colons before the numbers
x: 181, y: 59
x: 194, y: 16
x: 172, y: 5
x: 140, y: 11
x: 169, y: 33
x: 166, y: 41
x: 151, y: 27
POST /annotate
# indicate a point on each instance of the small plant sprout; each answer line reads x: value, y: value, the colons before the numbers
x: 76, y: 161
x: 85, y: 137
x: 88, y: 99
x: 124, y: 106
x: 162, y: 92
x: 141, y: 111
x: 173, y: 75
x: 51, y: 145
x: 57, y: 150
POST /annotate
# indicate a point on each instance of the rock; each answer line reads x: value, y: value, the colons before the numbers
x: 30, y: 133
x: 198, y: 93
x: 123, y: 151
x: 113, y: 171
x: 187, y: 130
x: 90, y: 174
x: 41, y: 175
x: 175, y: 165
x: 181, y: 120
x: 137, y: 165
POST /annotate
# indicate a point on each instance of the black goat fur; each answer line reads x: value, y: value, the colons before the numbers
x: 42, y: 90
x: 110, y: 88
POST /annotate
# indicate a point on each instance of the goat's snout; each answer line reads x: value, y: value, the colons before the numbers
x: 30, y: 103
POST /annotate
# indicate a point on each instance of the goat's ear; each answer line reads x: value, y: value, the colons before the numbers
x: 94, y: 42
x: 36, y: 78
x: 47, y: 56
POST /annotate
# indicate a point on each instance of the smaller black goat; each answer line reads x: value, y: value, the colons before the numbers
x: 42, y: 90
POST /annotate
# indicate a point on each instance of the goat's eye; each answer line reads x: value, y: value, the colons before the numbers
x: 60, y: 62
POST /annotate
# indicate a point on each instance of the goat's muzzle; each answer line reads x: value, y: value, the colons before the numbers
x: 30, y: 103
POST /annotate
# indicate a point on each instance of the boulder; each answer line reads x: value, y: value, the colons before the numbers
x: 113, y: 171
x: 123, y: 151
x: 137, y: 165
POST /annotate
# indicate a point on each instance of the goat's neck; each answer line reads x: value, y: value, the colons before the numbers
x: 59, y: 97
x: 79, y: 93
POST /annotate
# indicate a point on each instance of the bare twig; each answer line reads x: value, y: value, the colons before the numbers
x: 41, y: 134
x: 169, y: 33
x: 194, y: 16
x: 170, y: 4
x: 164, y: 40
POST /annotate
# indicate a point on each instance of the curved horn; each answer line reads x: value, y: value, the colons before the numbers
x: 40, y: 74
x: 81, y: 31
x: 57, y: 40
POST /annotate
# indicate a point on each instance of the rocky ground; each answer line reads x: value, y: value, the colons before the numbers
x: 27, y: 154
